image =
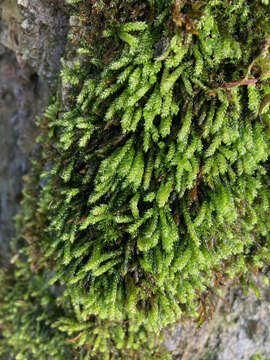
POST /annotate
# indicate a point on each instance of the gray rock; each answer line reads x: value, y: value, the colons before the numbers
x: 32, y: 41
x: 238, y: 329
x: 36, y: 32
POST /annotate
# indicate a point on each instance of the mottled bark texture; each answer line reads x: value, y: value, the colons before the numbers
x: 32, y: 38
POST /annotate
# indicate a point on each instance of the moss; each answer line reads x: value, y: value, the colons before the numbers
x: 257, y: 356
x: 152, y: 187
x: 28, y: 311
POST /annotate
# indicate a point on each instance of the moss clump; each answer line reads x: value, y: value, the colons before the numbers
x: 28, y: 310
x: 152, y: 188
x: 257, y: 356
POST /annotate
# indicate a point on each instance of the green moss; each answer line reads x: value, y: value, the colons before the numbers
x: 152, y: 188
x: 257, y: 356
x: 28, y: 310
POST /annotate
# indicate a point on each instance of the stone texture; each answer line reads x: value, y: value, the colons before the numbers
x: 13, y: 163
x: 238, y: 329
x: 32, y: 41
x: 36, y: 32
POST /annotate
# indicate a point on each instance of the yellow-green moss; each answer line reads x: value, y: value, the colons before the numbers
x: 152, y: 188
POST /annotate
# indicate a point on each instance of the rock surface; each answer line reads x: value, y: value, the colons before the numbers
x: 32, y: 38
x: 36, y: 32
x: 32, y: 41
x: 238, y: 330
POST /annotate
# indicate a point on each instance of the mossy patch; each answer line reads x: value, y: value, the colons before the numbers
x: 152, y: 189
